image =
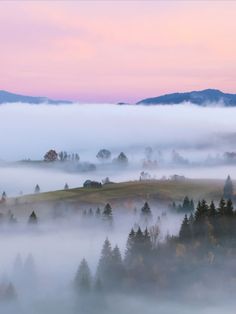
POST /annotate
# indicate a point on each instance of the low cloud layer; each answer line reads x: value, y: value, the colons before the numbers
x: 29, y: 131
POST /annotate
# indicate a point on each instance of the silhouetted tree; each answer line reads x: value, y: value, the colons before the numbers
x: 104, y: 268
x: 103, y: 154
x: 50, y: 156
x: 121, y: 159
x: 98, y: 212
x: 222, y: 207
x: 107, y: 212
x: 228, y: 188
x: 83, y: 279
x: 66, y: 187
x: 37, y: 189
x: 185, y: 230
x: 33, y: 219
x: 146, y: 210
x: 4, y: 196
x: 229, y: 210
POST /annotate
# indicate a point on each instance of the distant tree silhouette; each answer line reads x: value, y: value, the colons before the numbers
x: 105, y: 264
x: 146, y: 210
x: 37, y: 189
x: 4, y: 196
x: 185, y: 230
x: 66, y: 187
x: 83, y: 279
x: 107, y: 212
x: 103, y: 154
x: 51, y: 156
x: 33, y: 219
x: 98, y: 212
x: 228, y: 188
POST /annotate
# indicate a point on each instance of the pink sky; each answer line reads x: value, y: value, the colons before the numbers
x: 117, y: 50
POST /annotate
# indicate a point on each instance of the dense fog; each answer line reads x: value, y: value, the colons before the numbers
x: 200, y: 136
x: 42, y: 254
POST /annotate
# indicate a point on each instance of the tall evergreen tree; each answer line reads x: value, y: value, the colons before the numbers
x: 4, y: 196
x: 222, y: 207
x: 83, y: 279
x: 37, y: 189
x: 104, y: 268
x: 117, y: 268
x: 146, y: 210
x: 185, y: 230
x: 98, y: 212
x: 229, y: 210
x: 212, y: 210
x: 107, y: 212
x: 228, y: 188
x: 33, y: 219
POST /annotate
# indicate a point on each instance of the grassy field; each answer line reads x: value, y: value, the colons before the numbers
x: 164, y: 191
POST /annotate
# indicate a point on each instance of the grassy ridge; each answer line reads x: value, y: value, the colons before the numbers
x: 154, y: 190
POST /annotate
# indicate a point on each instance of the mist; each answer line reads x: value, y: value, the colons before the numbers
x: 40, y: 261
x: 29, y: 131
x: 87, y: 128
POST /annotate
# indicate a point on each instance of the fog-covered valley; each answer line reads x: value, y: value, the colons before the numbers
x: 60, y: 254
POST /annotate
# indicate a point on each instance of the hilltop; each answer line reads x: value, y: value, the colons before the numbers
x: 201, y: 98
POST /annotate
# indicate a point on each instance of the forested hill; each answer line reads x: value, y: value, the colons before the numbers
x: 202, y: 98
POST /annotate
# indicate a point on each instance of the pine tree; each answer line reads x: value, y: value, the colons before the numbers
x: 4, y: 196
x: 146, y: 210
x: 98, y: 212
x: 29, y: 272
x: 228, y: 188
x: 192, y: 206
x: 186, y: 204
x: 66, y: 187
x: 117, y: 269
x: 147, y: 241
x: 222, y: 207
x: 185, y: 230
x: 201, y: 210
x: 212, y: 210
x: 107, y: 212
x: 33, y: 219
x: 90, y: 212
x: 130, y: 246
x: 83, y: 279
x: 37, y: 189
x: 229, y: 210
x: 105, y: 263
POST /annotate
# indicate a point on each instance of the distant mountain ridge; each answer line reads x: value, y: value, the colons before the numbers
x: 7, y: 97
x: 201, y: 98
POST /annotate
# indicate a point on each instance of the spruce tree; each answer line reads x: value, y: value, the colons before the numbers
x: 107, y: 212
x: 117, y: 268
x: 4, y: 196
x: 185, y: 230
x: 146, y: 210
x: 212, y: 210
x: 186, y: 204
x: 130, y: 247
x: 33, y: 219
x: 90, y: 212
x: 66, y: 187
x: 222, y: 207
x: 228, y: 188
x: 229, y: 210
x: 98, y: 212
x: 105, y: 263
x: 37, y: 189
x: 83, y: 279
